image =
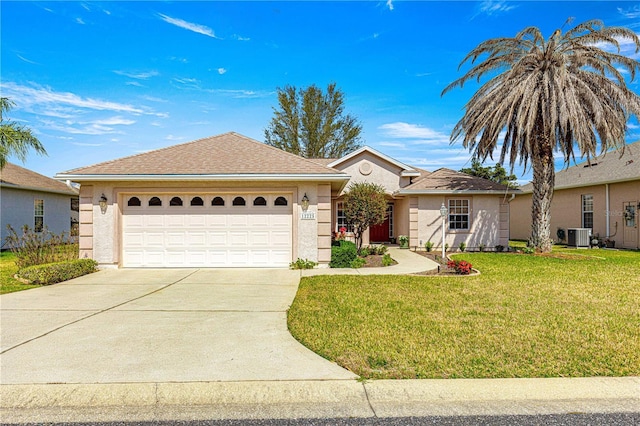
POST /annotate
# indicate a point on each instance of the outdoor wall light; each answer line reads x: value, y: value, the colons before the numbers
x: 305, y: 202
x: 103, y: 203
x: 443, y: 213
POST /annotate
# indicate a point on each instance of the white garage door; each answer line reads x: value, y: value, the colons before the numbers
x: 238, y: 230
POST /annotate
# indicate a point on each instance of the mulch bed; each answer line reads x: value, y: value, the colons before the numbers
x: 375, y: 261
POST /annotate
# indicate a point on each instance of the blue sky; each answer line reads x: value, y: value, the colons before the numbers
x: 102, y: 80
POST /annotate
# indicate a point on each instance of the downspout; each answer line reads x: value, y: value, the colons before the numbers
x: 606, y: 198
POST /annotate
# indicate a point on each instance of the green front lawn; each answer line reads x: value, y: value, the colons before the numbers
x: 8, y: 269
x: 572, y: 314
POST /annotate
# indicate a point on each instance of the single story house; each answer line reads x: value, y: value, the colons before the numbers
x: 230, y: 201
x: 603, y: 196
x: 29, y: 198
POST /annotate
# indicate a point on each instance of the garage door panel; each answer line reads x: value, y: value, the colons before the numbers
x: 207, y: 236
x: 154, y: 239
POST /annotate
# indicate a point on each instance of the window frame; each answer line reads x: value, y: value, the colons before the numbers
x: 585, y: 200
x: 456, y: 214
x: 341, y: 219
x: 38, y: 213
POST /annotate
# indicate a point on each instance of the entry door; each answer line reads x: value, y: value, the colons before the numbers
x: 630, y: 224
x: 381, y: 233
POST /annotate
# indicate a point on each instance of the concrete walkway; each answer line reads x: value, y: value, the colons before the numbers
x: 183, y: 344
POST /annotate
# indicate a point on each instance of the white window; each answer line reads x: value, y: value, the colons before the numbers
x: 341, y: 219
x: 459, y: 214
x: 587, y: 211
x: 38, y: 214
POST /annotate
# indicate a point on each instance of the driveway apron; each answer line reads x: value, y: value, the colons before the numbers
x: 169, y: 325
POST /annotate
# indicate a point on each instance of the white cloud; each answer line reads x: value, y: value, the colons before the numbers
x: 240, y: 93
x: 196, y: 28
x: 240, y: 38
x: 390, y: 4
x: 154, y: 99
x: 422, y: 135
x: 26, y: 60
x: 80, y: 21
x: 174, y: 138
x: 222, y: 71
x: 134, y: 83
x: 37, y: 95
x: 495, y: 7
x: 187, y: 82
x: 138, y: 75
x: 86, y: 144
x: 393, y: 144
x: 114, y: 121
x: 631, y: 13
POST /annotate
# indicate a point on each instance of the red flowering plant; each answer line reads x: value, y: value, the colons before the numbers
x: 461, y: 267
x: 341, y: 234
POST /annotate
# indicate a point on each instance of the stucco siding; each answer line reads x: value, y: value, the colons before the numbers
x: 370, y: 168
x: 485, y: 227
x: 620, y: 193
x: 566, y: 209
x: 17, y: 210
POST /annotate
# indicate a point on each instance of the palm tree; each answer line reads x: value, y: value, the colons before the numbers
x: 562, y: 95
x: 14, y: 138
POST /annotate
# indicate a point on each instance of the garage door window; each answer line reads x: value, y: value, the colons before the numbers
x: 239, y: 201
x: 217, y: 201
x: 155, y: 202
x: 175, y: 202
x: 259, y: 201
x: 280, y: 201
x: 134, y: 202
x: 197, y: 201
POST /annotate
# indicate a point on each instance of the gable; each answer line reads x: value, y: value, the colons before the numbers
x: 369, y: 167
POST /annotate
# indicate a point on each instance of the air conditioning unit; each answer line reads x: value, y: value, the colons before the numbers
x: 578, y: 237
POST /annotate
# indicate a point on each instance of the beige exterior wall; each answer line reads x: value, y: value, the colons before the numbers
x: 566, y: 210
x: 487, y: 227
x: 370, y: 168
x: 311, y: 238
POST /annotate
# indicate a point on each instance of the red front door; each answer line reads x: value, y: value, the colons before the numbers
x: 379, y: 233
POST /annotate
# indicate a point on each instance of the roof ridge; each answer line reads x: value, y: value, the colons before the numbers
x: 285, y: 152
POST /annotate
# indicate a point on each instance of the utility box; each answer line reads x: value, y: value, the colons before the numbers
x: 579, y: 237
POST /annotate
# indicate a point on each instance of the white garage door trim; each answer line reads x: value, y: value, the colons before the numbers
x: 257, y: 234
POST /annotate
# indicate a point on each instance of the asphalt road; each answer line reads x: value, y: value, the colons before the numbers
x: 609, y: 419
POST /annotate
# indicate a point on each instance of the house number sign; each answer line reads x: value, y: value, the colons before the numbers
x: 308, y: 215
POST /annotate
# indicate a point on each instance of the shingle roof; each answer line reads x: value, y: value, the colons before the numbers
x: 607, y: 168
x: 449, y: 180
x: 226, y: 154
x: 14, y: 176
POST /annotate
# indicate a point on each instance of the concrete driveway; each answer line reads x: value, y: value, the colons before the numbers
x: 170, y: 325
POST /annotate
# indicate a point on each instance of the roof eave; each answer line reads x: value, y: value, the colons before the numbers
x: 200, y: 177
x: 583, y: 185
x: 70, y: 192
x: 455, y: 191
x: 406, y: 168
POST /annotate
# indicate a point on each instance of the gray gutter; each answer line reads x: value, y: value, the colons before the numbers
x: 455, y: 191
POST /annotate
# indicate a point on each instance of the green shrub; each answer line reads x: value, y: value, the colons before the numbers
x: 387, y: 260
x: 463, y: 246
x: 38, y: 248
x: 381, y: 249
x: 358, y: 262
x: 52, y: 273
x: 481, y: 247
x: 403, y: 240
x: 366, y: 251
x: 343, y: 254
x: 499, y: 248
x: 302, y: 264
x: 528, y: 250
x: 428, y: 246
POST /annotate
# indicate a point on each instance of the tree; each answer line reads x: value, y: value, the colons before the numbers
x: 496, y: 173
x: 364, y: 205
x: 312, y: 124
x: 15, y: 139
x: 565, y: 94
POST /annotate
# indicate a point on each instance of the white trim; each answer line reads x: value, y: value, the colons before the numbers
x: 582, y: 185
x: 31, y: 188
x: 453, y: 191
x: 221, y: 177
x: 407, y: 170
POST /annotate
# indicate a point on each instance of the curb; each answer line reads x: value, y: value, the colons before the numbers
x: 315, y: 399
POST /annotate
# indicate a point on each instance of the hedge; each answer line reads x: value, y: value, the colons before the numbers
x: 51, y: 273
x: 343, y: 254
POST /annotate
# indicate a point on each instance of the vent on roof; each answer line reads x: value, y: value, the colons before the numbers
x: 590, y: 165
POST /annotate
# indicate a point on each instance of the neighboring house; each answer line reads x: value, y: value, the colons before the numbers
x: 603, y: 196
x: 230, y: 201
x: 29, y: 198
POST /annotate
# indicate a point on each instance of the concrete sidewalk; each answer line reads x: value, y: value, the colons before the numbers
x: 316, y: 399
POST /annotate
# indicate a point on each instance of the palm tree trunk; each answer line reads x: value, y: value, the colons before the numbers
x: 543, y: 183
